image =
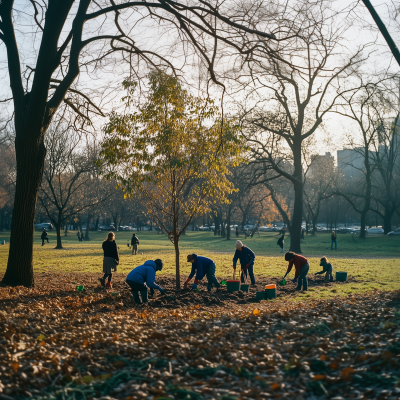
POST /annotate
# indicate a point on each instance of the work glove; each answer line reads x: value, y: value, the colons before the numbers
x: 194, y: 286
x: 294, y: 280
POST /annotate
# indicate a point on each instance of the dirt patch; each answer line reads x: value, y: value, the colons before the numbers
x: 65, y: 285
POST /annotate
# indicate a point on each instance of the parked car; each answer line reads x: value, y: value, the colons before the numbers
x: 249, y: 227
x: 267, y: 229
x: 47, y: 225
x: 107, y: 228
x: 376, y: 230
x: 204, y: 228
x: 395, y: 232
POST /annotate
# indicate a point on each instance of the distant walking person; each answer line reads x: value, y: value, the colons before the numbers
x: 79, y: 236
x: 302, y: 233
x: 110, y: 260
x: 281, y: 243
x: 333, y: 240
x: 237, y: 231
x: 134, y: 244
x: 44, y: 236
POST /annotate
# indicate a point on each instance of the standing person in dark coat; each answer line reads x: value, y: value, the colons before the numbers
x: 202, y: 266
x: 237, y: 231
x: 301, y: 265
x: 134, y: 244
x: 44, y: 236
x: 110, y: 260
x: 333, y: 240
x: 302, y: 233
x: 281, y: 243
x: 246, y: 257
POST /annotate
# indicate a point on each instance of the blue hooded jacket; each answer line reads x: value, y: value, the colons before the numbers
x: 246, y: 256
x: 201, y: 264
x: 145, y: 273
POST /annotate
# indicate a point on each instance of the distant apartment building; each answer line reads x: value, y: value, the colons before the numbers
x: 322, y: 163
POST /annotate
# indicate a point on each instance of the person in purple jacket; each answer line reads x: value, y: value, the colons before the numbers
x: 202, y: 266
x: 143, y: 277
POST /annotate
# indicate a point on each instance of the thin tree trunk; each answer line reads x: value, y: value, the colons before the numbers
x: 58, y: 232
x: 30, y: 161
x: 228, y: 224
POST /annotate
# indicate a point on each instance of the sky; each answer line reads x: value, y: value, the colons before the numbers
x: 328, y: 139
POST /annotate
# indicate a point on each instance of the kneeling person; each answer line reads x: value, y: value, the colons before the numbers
x: 143, y: 277
x: 202, y: 266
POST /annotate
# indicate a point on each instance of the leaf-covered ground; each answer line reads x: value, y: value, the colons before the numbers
x: 58, y: 344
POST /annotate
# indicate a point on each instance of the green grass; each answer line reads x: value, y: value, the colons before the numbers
x: 373, y: 262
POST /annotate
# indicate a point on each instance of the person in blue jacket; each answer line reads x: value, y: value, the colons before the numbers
x: 202, y: 266
x: 143, y: 277
x: 246, y: 257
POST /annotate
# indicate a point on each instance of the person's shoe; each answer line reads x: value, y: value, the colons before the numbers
x: 108, y: 285
x: 102, y: 282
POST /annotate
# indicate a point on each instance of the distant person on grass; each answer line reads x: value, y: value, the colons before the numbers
x: 44, y: 236
x: 110, y: 260
x: 281, y: 243
x: 327, y: 269
x: 302, y: 266
x: 143, y: 277
x: 202, y: 266
x: 333, y: 240
x: 246, y: 257
x: 134, y: 244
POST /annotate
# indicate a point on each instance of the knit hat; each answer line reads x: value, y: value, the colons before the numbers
x: 239, y: 244
x: 159, y: 264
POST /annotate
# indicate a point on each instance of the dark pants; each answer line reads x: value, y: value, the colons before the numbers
x: 333, y: 241
x: 44, y: 240
x: 109, y: 276
x: 136, y: 288
x: 211, y: 278
x: 303, y: 277
x: 251, y: 274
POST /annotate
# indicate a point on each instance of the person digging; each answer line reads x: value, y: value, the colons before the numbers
x: 246, y: 257
x: 327, y: 269
x: 302, y: 267
x: 202, y: 266
x: 143, y: 277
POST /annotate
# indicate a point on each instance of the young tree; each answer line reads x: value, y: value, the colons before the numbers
x: 172, y: 155
x: 65, y: 39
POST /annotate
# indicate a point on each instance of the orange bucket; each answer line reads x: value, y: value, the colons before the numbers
x: 272, y: 286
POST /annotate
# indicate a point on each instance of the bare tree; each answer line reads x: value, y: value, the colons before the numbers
x: 291, y: 92
x: 70, y: 177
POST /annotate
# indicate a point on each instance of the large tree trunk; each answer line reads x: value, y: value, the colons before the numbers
x: 30, y: 157
x: 387, y: 220
x: 295, y: 231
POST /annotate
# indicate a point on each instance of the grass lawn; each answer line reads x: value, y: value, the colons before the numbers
x: 372, y: 262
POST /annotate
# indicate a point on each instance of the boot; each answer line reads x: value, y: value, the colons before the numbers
x: 136, y: 297
x: 108, y: 285
x: 102, y: 282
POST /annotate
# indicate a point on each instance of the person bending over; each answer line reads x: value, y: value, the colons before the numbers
x: 246, y: 257
x: 143, y: 277
x: 202, y: 266
x: 302, y: 267
x: 327, y: 269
